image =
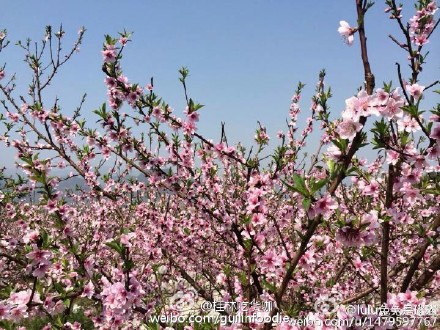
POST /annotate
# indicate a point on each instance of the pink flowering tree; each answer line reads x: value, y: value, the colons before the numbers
x: 168, y: 218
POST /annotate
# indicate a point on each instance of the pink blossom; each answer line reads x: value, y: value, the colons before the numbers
x: 359, y: 265
x: 262, y: 137
x: 362, y: 105
x: 88, y: 290
x: 435, y: 133
x: 365, y: 104
x: 157, y: 112
x: 348, y: 128
x: 371, y: 220
x: 280, y: 134
x: 22, y: 297
x: 420, y: 162
x: 432, y: 8
x: 4, y: 311
x: 41, y: 269
x: 52, y: 206
x: 18, y: 313
x: 422, y: 24
x: 434, y: 152
x: 193, y: 116
x: 393, y: 109
x: 221, y: 278
x: 31, y: 236
x: 415, y: 90
x: 132, y: 97
x: 407, y: 124
x: 254, y: 199
x: 381, y: 95
x: 372, y: 189
x: 258, y: 219
x: 323, y: 206
x: 411, y: 175
x: 38, y: 256
x: 185, y: 210
x: 13, y: 116
x: 403, y: 298
x: 109, y: 55
x: 420, y: 40
x: 346, y: 31
x: 349, y: 236
x: 189, y: 128
x: 271, y: 260
x: 124, y: 80
x: 125, y: 239
x: 333, y: 153
x: 392, y: 157
x: 410, y: 194
x: 110, y: 82
x: 308, y: 259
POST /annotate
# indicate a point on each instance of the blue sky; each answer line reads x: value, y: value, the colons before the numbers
x: 245, y: 57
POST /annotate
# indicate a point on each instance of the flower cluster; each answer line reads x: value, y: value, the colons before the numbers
x: 161, y: 209
x: 359, y: 233
x: 118, y: 301
x: 40, y: 262
x: 422, y: 24
x: 16, y: 307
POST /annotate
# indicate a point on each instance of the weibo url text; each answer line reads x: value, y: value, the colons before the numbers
x: 280, y: 319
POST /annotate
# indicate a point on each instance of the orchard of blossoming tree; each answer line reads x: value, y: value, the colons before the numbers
x: 168, y: 221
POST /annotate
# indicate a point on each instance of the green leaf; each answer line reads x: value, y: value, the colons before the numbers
x: 59, y: 322
x: 247, y: 244
x: 411, y: 109
x: 197, y: 106
x: 341, y: 144
x: 116, y: 245
x: 317, y: 185
x: 45, y: 237
x: 299, y: 185
x: 268, y: 286
x: 299, y: 181
x: 38, y: 178
x: 245, y: 220
x: 331, y: 166
x: 300, y: 234
x: 59, y: 287
x: 432, y: 191
x: 155, y: 268
x: 183, y: 74
x: 306, y: 203
x: 387, y: 87
x: 6, y: 325
x: 128, y: 265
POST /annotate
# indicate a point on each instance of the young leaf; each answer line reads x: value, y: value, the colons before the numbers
x: 115, y: 245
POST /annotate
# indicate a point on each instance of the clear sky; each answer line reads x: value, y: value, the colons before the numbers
x: 245, y: 56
